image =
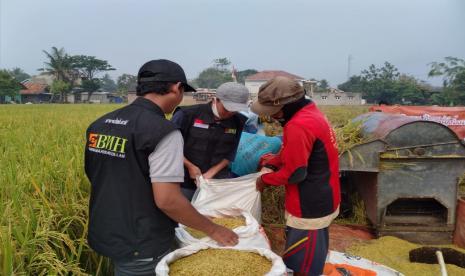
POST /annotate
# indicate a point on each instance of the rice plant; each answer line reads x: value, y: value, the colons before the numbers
x: 44, y: 191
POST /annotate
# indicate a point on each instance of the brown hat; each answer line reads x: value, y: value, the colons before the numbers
x: 275, y: 93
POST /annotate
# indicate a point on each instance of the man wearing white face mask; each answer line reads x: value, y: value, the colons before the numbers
x: 211, y: 134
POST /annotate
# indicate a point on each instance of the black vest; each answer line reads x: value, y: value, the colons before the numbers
x: 124, y: 222
x: 206, y: 141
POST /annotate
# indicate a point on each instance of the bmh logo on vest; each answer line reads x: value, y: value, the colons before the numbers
x: 107, y: 144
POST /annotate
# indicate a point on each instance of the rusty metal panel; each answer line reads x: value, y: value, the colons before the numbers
x: 419, y: 178
x: 366, y: 185
x: 451, y: 150
x: 362, y: 157
x: 399, y: 130
x: 377, y: 125
x: 420, y: 133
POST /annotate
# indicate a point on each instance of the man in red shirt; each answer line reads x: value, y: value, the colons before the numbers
x: 308, y: 167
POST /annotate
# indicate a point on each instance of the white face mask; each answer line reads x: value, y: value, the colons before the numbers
x: 215, y: 109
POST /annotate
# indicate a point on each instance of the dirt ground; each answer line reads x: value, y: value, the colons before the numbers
x: 341, y: 237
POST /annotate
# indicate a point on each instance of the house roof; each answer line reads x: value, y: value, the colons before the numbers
x: 23, y: 87
x: 33, y: 88
x: 269, y: 74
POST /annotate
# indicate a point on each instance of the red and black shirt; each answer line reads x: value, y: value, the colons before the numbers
x: 308, y: 165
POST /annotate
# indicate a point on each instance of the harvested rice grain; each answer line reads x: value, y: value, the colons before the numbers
x: 221, y: 262
x: 394, y: 252
x: 228, y: 222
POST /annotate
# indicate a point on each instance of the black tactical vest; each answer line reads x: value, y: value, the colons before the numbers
x: 206, y: 141
x: 124, y: 222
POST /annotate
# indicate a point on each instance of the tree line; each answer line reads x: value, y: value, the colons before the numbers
x: 71, y: 74
x: 378, y: 85
x: 387, y: 85
x: 383, y: 84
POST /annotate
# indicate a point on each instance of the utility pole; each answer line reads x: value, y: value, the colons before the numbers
x: 349, y: 65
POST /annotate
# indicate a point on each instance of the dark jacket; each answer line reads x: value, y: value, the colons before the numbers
x: 207, y: 141
x: 124, y: 222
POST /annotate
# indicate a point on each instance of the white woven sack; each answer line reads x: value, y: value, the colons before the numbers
x: 335, y: 257
x: 240, y: 193
x: 277, y: 269
x: 249, y: 235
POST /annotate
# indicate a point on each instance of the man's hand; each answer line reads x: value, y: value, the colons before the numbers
x: 223, y: 236
x: 266, y: 170
x: 169, y: 199
x: 214, y: 170
x: 194, y: 171
x: 259, y: 184
x: 270, y: 159
x: 209, y: 174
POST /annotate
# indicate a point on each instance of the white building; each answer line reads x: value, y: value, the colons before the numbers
x: 337, y: 97
x: 96, y: 97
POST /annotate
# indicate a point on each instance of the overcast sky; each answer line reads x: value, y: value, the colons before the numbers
x: 310, y: 38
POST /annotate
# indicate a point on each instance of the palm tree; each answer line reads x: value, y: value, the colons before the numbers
x: 61, y: 66
x: 58, y: 63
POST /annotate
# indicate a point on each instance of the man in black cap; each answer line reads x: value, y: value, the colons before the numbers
x: 134, y: 161
x: 211, y: 133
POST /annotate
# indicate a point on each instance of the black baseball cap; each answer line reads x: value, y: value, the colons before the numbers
x: 163, y: 70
